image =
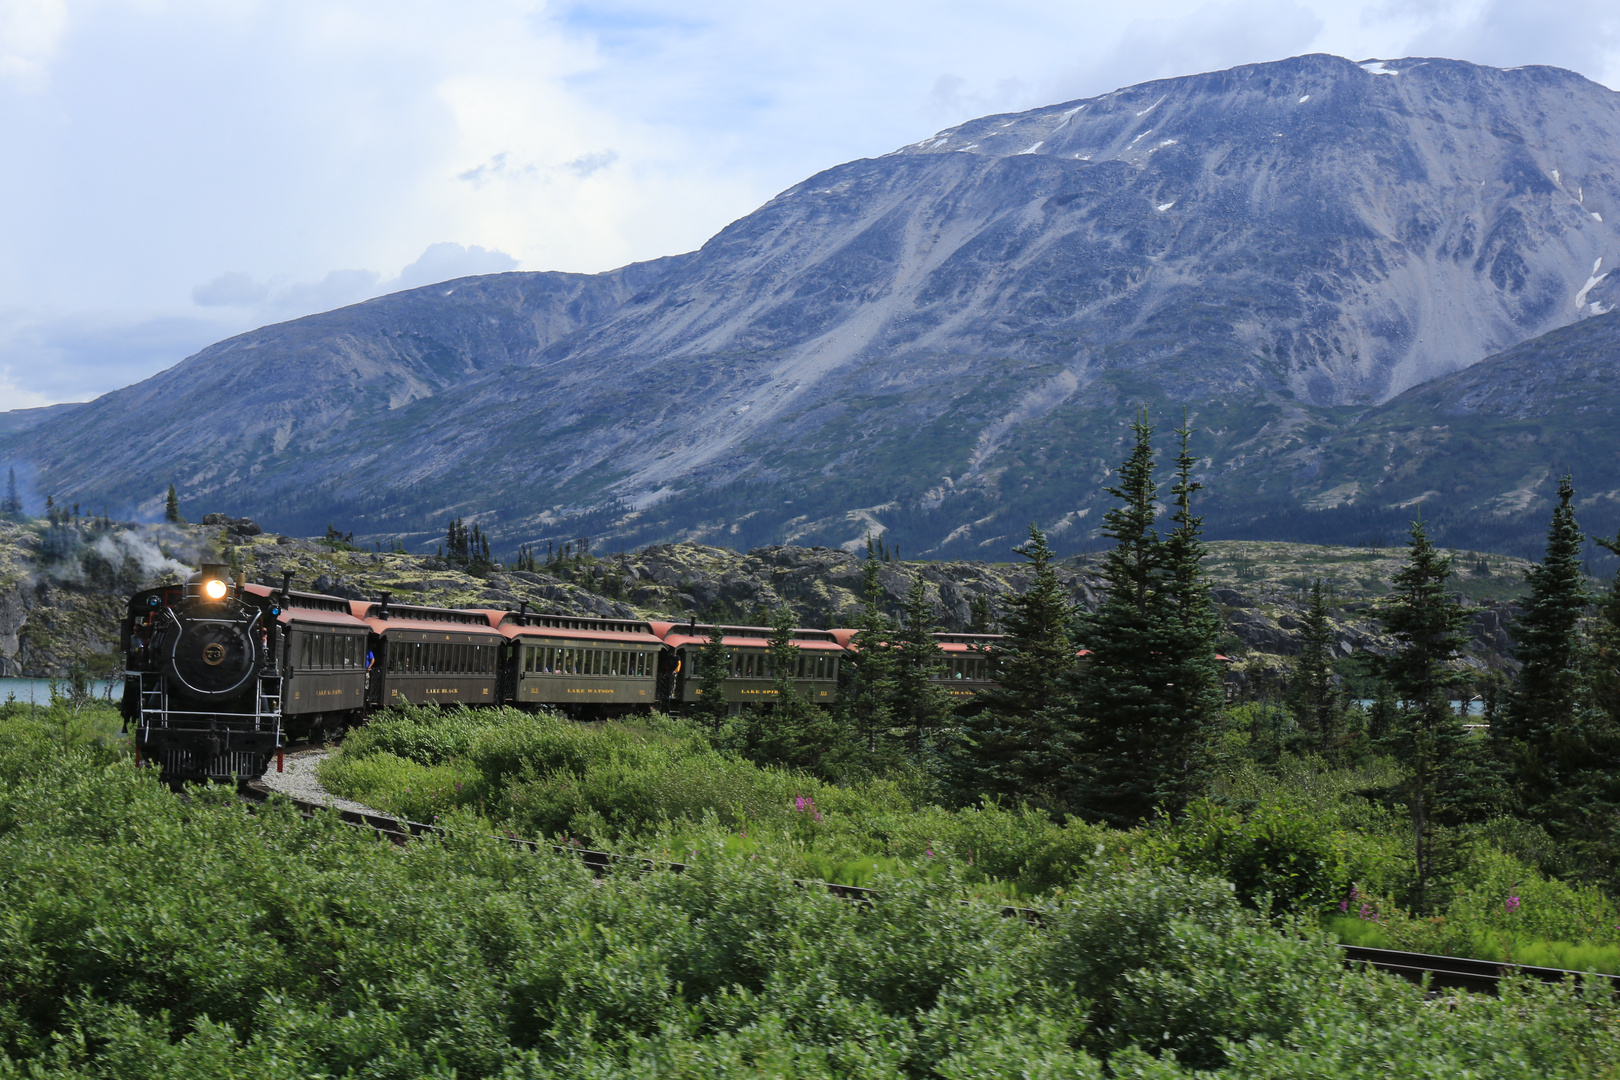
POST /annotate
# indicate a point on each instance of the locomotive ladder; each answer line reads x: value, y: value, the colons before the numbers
x: 156, y: 711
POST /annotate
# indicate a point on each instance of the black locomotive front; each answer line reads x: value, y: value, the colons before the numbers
x: 201, y: 690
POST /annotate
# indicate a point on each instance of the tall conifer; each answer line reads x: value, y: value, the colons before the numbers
x: 1585, y: 814
x: 1428, y: 736
x: 1016, y: 740
x: 1317, y: 705
x: 869, y: 669
x: 921, y: 705
x: 713, y: 666
x: 1194, y: 694
x: 1543, y: 704
x: 791, y: 730
x: 171, y: 507
x: 1123, y: 681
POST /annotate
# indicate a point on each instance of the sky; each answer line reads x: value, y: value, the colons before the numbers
x: 173, y: 172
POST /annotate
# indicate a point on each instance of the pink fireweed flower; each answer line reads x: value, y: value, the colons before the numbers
x: 1367, y: 913
x: 1512, y: 904
x: 928, y: 852
x: 1344, y: 905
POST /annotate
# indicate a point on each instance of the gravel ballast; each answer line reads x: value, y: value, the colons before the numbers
x: 299, y: 780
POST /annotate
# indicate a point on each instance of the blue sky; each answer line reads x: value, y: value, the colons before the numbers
x: 176, y: 171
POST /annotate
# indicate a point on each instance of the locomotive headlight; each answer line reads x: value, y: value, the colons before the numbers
x: 214, y: 589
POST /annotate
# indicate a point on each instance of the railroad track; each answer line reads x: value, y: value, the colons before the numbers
x: 1443, y: 972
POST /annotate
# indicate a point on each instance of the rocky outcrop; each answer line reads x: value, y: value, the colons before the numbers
x: 56, y: 614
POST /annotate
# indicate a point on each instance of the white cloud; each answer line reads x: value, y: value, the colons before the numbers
x: 276, y: 300
x: 441, y: 262
x: 48, y: 359
x: 29, y: 33
x: 231, y: 289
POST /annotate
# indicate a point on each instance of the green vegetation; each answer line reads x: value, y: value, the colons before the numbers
x: 147, y: 935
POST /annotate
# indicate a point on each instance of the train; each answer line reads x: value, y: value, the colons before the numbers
x: 220, y: 675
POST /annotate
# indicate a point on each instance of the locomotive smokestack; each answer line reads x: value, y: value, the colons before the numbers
x: 286, y: 588
x: 382, y: 608
x: 523, y: 612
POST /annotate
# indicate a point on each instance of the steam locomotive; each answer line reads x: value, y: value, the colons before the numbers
x: 221, y: 675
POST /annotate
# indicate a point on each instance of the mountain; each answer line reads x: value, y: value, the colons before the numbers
x: 1479, y: 453
x: 946, y: 342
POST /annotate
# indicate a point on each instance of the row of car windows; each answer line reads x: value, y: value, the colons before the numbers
x: 440, y: 657
x: 348, y: 651
x: 566, y: 660
x: 757, y: 665
x: 963, y: 667
x: 329, y: 652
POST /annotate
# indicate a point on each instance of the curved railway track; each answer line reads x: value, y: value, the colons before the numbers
x: 1442, y: 972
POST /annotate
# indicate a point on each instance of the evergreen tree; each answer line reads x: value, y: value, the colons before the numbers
x: 1428, y: 736
x: 980, y: 620
x: 1542, y: 708
x: 787, y: 729
x: 713, y: 666
x: 13, y: 503
x: 1317, y: 705
x: 1016, y: 740
x: 921, y: 705
x: 1119, y: 776
x: 870, y: 668
x: 1604, y: 647
x: 1194, y: 693
x: 171, y: 507
x: 1584, y: 816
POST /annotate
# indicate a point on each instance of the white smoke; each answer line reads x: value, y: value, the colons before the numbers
x: 142, y: 553
x: 144, y: 556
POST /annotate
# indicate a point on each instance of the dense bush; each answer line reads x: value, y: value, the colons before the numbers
x: 147, y: 936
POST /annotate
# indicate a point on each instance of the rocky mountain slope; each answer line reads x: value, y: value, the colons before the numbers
x: 63, y: 587
x: 1478, y: 453
x: 943, y: 343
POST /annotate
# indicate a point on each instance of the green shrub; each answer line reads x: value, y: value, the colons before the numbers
x: 145, y: 935
x: 1176, y: 964
x: 1281, y: 853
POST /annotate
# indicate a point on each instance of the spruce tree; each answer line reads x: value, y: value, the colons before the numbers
x: 1017, y: 739
x: 1603, y: 658
x: 980, y: 620
x: 1544, y: 702
x: 713, y: 666
x: 791, y: 731
x: 13, y: 503
x: 1123, y: 682
x: 868, y: 693
x: 921, y: 705
x: 1317, y: 705
x: 171, y: 507
x: 1428, y: 735
x: 1584, y: 815
x: 1194, y: 693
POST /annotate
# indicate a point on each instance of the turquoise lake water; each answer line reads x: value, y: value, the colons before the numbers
x: 38, y: 691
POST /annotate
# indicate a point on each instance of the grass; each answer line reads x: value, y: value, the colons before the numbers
x: 1507, y: 948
